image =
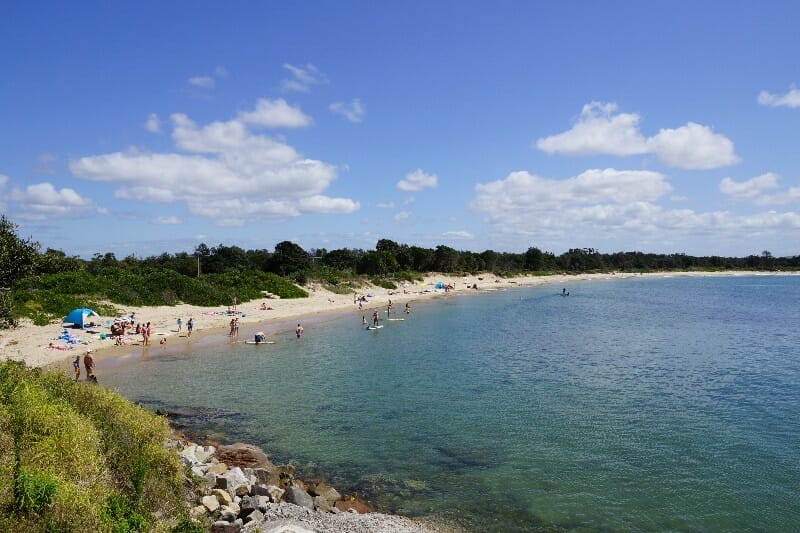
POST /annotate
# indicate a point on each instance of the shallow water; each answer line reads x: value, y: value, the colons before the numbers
x: 638, y: 404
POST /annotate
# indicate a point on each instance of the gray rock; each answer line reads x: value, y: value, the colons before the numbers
x: 210, y: 503
x: 323, y: 505
x: 298, y: 496
x: 249, y: 504
x: 275, y: 493
x: 263, y: 503
x: 222, y: 496
x: 259, y: 489
x: 221, y: 526
x: 235, y: 478
x: 204, y: 453
x: 227, y: 515
x: 255, y: 516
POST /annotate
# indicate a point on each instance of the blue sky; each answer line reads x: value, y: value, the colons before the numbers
x: 144, y: 127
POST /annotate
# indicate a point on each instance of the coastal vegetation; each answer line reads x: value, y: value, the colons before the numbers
x: 45, y: 286
x: 79, y: 457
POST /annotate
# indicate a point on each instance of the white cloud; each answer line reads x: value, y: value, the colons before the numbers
x: 755, y: 190
x: 204, y: 82
x: 3, y: 180
x: 385, y: 205
x: 790, y: 99
x: 401, y: 216
x: 751, y: 188
x: 599, y: 131
x: 221, y: 72
x: 153, y: 123
x: 302, y: 78
x: 275, y: 114
x: 354, y: 111
x: 610, y: 208
x: 465, y: 235
x: 168, y: 221
x: 417, y: 180
x: 221, y: 171
x: 693, y: 147
x: 43, y: 200
x: 325, y: 204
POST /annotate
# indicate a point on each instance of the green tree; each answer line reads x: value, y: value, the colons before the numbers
x: 18, y: 257
x: 289, y: 258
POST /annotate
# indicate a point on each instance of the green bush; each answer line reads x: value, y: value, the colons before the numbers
x: 384, y: 283
x: 85, y: 459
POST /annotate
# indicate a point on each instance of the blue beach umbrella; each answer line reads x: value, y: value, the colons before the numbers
x: 77, y: 317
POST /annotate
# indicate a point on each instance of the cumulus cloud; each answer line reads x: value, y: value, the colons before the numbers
x: 302, y: 78
x: 3, y: 180
x: 600, y: 130
x: 755, y: 190
x: 153, y: 123
x: 615, y: 208
x: 401, y: 216
x: 417, y: 180
x: 385, y: 205
x: 275, y: 114
x: 790, y: 99
x: 42, y: 200
x: 354, y: 111
x: 222, y: 171
x: 693, y: 147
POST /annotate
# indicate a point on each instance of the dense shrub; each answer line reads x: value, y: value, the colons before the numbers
x: 78, y: 457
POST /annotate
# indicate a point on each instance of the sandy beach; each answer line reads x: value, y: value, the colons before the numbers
x: 31, y: 344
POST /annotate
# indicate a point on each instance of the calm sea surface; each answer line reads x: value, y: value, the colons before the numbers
x: 641, y: 404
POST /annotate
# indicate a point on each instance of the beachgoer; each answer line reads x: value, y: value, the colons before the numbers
x: 375, y: 318
x: 232, y: 326
x: 236, y: 326
x: 408, y: 308
x: 563, y: 291
x: 190, y: 327
x: 180, y: 325
x: 163, y: 340
x: 76, y: 365
x: 298, y: 330
x: 363, y: 320
x: 360, y: 306
x: 88, y: 364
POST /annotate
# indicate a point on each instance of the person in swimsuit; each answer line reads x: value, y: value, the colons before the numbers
x: 298, y: 330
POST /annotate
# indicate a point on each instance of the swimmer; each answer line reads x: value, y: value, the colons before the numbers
x: 298, y: 330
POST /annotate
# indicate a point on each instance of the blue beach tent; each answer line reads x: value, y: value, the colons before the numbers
x: 77, y: 317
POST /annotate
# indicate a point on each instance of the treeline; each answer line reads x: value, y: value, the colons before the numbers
x: 45, y: 284
x: 390, y: 258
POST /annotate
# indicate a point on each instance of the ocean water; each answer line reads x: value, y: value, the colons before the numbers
x: 631, y: 405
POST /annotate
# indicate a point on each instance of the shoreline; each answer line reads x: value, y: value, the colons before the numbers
x: 29, y: 343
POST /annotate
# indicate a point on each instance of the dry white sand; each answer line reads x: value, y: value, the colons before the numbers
x: 29, y: 343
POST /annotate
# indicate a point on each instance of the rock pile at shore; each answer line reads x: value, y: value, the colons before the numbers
x: 238, y: 489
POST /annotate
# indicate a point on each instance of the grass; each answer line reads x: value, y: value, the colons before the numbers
x: 78, y: 457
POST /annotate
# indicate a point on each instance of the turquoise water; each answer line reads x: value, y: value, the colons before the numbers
x: 639, y: 404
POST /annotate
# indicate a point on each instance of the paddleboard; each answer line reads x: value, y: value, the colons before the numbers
x: 374, y: 327
x: 262, y: 342
x: 395, y: 319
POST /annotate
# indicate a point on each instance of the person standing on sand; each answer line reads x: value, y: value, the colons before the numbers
x: 298, y: 330
x: 88, y: 364
x: 76, y: 365
x: 190, y: 327
x: 180, y: 324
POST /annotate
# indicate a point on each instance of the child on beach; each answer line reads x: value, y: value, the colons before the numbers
x: 76, y: 365
x: 190, y: 327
